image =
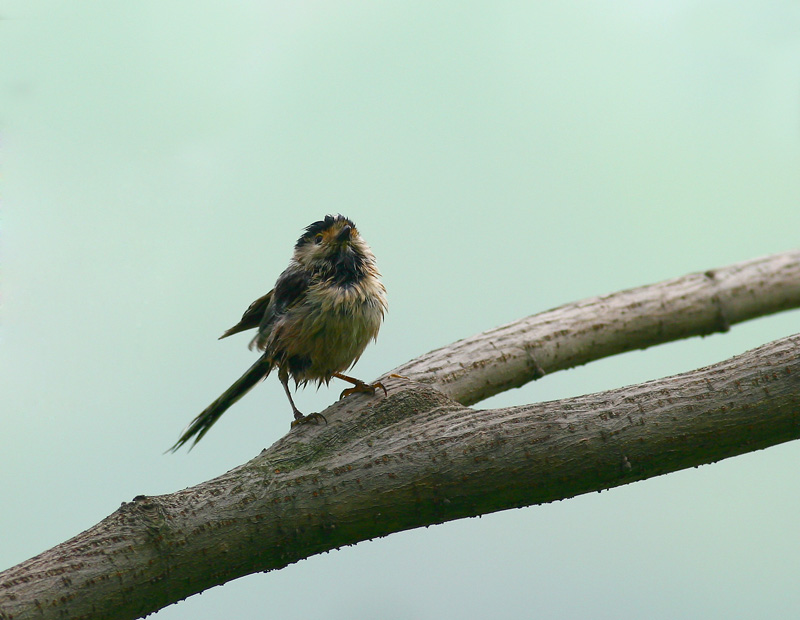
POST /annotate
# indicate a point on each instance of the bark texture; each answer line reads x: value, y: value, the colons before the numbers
x: 418, y: 457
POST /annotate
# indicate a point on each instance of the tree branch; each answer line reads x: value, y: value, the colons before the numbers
x: 697, y: 304
x: 418, y: 457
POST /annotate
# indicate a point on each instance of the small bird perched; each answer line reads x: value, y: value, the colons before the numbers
x: 325, y: 308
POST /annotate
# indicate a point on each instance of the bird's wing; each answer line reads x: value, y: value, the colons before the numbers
x: 290, y: 289
x: 252, y: 317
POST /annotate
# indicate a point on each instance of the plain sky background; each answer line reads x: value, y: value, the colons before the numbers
x: 159, y: 159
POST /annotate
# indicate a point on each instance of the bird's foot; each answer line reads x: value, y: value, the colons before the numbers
x: 299, y: 418
x: 361, y: 387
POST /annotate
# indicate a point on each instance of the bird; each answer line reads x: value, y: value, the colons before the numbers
x: 323, y: 311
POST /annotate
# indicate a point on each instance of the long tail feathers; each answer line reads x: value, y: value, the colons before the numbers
x: 212, y: 413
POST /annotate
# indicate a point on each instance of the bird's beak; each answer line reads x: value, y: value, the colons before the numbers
x: 344, y: 234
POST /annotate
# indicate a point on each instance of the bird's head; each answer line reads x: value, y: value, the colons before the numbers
x: 333, y: 248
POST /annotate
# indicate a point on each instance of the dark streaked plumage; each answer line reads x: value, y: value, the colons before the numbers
x: 315, y: 324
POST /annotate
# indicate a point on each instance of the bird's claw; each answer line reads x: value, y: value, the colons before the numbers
x: 361, y: 387
x: 306, y: 419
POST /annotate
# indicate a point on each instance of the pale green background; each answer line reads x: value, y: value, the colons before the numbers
x: 159, y: 159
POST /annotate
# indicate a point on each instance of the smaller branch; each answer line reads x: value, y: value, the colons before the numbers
x: 698, y: 304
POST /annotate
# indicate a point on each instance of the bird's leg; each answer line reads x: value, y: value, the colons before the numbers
x: 299, y: 418
x: 359, y: 386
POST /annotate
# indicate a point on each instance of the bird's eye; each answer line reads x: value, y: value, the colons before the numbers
x: 318, y: 239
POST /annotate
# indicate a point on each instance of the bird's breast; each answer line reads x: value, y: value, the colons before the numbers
x: 332, y: 327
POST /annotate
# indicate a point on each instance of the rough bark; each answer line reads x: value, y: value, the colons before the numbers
x: 418, y: 457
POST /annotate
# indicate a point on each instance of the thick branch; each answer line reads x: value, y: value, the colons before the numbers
x: 384, y: 465
x: 698, y: 304
x: 412, y: 459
